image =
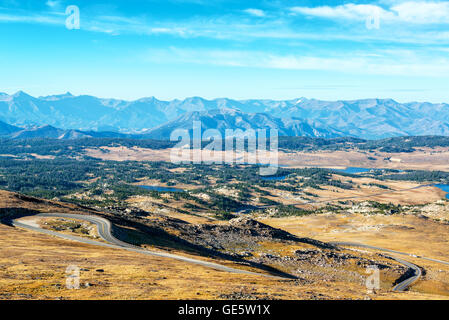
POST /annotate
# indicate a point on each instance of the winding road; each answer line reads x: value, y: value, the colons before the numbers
x: 402, y: 286
x: 105, y: 227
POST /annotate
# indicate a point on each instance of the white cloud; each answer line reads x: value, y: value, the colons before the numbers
x: 348, y: 11
x: 384, y: 62
x: 255, y: 12
x: 39, y: 19
x: 280, y: 27
x: 422, y: 12
x: 53, y: 3
x: 419, y: 12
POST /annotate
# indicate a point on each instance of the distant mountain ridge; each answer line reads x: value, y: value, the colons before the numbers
x: 368, y: 118
x: 220, y: 119
x: 6, y: 129
x: 225, y: 119
x: 46, y: 131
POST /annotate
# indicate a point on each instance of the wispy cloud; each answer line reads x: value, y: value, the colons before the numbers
x: 347, y: 11
x: 255, y: 12
x: 194, y: 40
x: 422, y: 12
x: 418, y: 12
x: 35, y: 18
x: 277, y: 25
x: 233, y: 29
x: 53, y: 3
x: 383, y: 62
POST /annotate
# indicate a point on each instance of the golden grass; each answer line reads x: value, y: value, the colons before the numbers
x: 405, y: 233
x: 33, y: 266
x: 422, y: 159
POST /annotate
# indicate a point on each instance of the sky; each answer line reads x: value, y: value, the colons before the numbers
x: 266, y: 49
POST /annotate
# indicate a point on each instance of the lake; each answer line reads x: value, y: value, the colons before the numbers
x: 162, y: 189
x: 444, y: 187
x: 354, y: 170
x: 279, y: 178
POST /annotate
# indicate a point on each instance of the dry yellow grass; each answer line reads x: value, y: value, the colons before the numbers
x: 422, y: 159
x: 406, y: 233
x: 403, y: 192
x: 33, y: 266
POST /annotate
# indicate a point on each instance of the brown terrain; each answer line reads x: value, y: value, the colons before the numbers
x: 33, y: 265
x: 421, y: 159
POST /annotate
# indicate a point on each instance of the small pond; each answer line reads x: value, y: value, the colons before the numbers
x: 162, y: 189
x: 354, y: 170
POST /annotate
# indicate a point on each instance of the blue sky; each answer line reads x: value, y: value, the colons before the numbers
x: 228, y: 48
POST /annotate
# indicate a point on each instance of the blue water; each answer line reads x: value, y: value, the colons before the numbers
x: 280, y: 178
x: 444, y: 187
x: 354, y: 170
x: 161, y: 189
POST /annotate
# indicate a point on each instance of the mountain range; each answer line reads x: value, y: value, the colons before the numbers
x: 218, y: 119
x: 223, y: 119
x: 68, y: 116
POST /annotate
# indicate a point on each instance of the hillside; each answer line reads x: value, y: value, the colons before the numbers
x: 107, y: 273
x: 6, y: 129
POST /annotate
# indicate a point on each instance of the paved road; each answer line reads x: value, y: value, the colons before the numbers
x: 105, y: 232
x: 104, y: 228
x: 402, y: 286
x: 392, y: 251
